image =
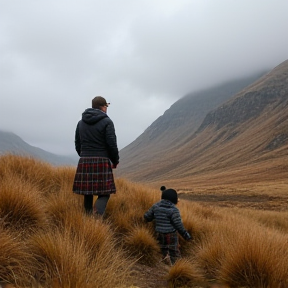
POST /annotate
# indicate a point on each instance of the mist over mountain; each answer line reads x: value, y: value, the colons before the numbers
x: 13, y: 144
x: 224, y: 127
x: 241, y: 124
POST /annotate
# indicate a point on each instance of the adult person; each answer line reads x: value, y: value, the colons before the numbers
x: 96, y: 144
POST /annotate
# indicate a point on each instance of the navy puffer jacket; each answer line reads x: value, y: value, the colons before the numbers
x: 95, y: 136
x: 167, y: 218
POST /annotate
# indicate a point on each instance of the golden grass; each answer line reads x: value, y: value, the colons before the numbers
x: 16, y: 261
x: 271, y: 219
x: 185, y: 273
x: 37, y: 173
x: 269, y: 177
x: 254, y: 261
x: 130, y: 204
x: 63, y: 247
x: 66, y: 259
x: 20, y: 206
x: 48, y: 241
x: 143, y: 246
x: 243, y: 253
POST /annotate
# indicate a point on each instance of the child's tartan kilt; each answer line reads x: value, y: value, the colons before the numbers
x: 94, y: 176
x: 169, y: 245
x: 168, y: 240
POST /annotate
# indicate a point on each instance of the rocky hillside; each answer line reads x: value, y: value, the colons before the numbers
x: 13, y: 144
x: 235, y: 131
x: 181, y: 120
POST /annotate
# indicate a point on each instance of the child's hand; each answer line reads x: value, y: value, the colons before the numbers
x: 187, y: 236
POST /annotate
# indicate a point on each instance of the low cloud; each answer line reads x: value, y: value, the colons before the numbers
x: 141, y: 55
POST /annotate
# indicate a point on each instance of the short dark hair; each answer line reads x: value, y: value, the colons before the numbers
x: 98, y: 102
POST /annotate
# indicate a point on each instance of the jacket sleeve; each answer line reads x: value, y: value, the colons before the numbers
x: 111, y: 142
x: 178, y: 225
x: 77, y: 140
x: 149, y: 215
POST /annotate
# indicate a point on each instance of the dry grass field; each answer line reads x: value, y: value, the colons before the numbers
x: 262, y: 185
x: 239, y: 228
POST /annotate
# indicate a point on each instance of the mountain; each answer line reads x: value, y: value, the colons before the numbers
x: 181, y: 120
x: 11, y: 143
x: 213, y: 133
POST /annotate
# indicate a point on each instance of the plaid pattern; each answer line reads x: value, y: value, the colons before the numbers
x: 169, y: 245
x: 94, y: 176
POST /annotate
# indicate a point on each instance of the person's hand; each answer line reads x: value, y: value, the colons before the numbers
x: 187, y: 236
x: 114, y: 166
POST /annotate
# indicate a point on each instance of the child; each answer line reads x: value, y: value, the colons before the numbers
x: 167, y: 223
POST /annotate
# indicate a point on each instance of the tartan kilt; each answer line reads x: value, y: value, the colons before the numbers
x: 94, y: 176
x: 168, y: 241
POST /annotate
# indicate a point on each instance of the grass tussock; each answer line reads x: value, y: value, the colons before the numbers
x: 61, y: 207
x: 48, y: 241
x: 244, y: 254
x: 16, y: 262
x: 65, y: 260
x: 131, y: 204
x: 185, y: 273
x: 39, y: 174
x: 20, y: 207
x: 254, y: 261
x: 142, y: 245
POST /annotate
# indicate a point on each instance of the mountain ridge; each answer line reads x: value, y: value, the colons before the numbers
x: 13, y: 144
x: 247, y: 128
x: 179, y: 114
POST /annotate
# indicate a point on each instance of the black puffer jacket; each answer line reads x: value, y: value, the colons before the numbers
x: 95, y: 136
x: 167, y: 218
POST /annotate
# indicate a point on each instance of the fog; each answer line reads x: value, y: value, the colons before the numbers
x: 142, y: 56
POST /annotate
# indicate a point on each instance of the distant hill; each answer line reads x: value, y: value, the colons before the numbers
x: 217, y: 130
x: 174, y: 128
x: 13, y: 144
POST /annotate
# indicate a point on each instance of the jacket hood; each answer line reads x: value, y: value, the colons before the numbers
x: 92, y: 116
x: 166, y: 203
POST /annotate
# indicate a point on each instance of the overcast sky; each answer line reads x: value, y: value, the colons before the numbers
x: 141, y: 55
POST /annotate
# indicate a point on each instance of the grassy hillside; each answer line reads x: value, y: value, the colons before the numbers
x: 48, y: 241
x: 242, y: 142
x: 171, y: 130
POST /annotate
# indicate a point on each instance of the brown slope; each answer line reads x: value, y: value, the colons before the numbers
x: 171, y: 130
x: 247, y: 135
